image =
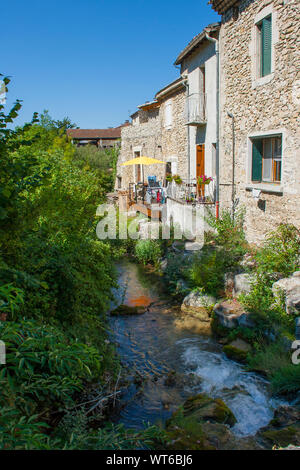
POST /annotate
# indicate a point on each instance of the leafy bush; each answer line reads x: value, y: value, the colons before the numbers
x: 222, y: 252
x: 274, y: 360
x: 75, y: 432
x: 175, y: 274
x: 207, y: 270
x: 280, y: 254
x: 278, y: 257
x: 55, y: 277
x: 148, y: 251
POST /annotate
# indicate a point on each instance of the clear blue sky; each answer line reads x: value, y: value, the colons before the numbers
x: 94, y: 60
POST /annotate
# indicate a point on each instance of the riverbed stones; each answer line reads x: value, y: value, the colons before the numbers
x: 189, y: 428
x: 283, y: 430
x: 126, y: 310
x: 242, y: 284
x: 193, y: 246
x: 290, y: 287
x: 237, y: 350
x: 228, y: 313
x: 198, y: 305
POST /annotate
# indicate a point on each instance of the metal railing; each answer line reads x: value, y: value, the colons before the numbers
x: 195, y: 109
x: 141, y: 192
x: 188, y: 192
x: 192, y: 193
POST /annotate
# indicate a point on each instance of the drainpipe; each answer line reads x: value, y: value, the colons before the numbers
x: 233, y: 165
x: 186, y: 84
x: 216, y: 42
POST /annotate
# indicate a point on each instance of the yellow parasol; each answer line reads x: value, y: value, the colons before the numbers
x: 143, y: 161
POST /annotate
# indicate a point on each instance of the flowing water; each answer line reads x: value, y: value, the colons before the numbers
x: 162, y: 340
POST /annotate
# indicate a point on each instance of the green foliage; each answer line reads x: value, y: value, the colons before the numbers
x: 278, y: 257
x: 279, y: 254
x: 222, y: 253
x: 75, y: 432
x: 207, y: 270
x: 10, y: 299
x: 275, y: 362
x: 44, y: 365
x: 55, y: 277
x: 148, y: 251
x: 175, y: 274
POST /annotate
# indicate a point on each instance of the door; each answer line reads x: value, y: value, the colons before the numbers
x: 200, y: 166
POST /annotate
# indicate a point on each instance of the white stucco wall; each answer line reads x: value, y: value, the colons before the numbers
x: 205, y: 57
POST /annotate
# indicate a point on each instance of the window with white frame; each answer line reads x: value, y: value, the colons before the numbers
x: 169, y: 113
x: 267, y: 159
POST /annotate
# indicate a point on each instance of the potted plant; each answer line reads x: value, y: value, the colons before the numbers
x: 204, y: 180
x: 177, y: 179
x: 169, y: 178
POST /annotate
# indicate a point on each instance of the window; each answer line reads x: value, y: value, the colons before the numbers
x: 168, y: 114
x: 266, y: 159
x: 265, y: 46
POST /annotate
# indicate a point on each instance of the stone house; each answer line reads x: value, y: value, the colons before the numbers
x: 259, y: 111
x: 157, y: 130
x: 198, y: 65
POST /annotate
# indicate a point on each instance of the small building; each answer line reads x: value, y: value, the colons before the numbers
x: 101, y: 138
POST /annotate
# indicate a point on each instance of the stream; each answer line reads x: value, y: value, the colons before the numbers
x: 163, y: 340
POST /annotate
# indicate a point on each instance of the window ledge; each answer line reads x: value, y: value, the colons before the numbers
x: 263, y: 80
x: 266, y: 188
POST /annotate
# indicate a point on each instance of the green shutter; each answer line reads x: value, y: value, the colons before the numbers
x: 266, y: 46
x: 257, y: 147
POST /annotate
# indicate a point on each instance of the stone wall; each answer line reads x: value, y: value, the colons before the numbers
x: 268, y: 105
x: 151, y: 138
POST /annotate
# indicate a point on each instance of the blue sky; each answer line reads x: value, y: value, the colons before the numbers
x: 94, y: 60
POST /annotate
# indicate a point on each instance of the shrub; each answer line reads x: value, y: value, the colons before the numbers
x: 275, y: 362
x: 207, y: 270
x: 222, y: 252
x: 176, y: 274
x: 279, y: 256
x: 148, y: 251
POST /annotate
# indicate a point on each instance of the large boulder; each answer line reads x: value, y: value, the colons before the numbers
x: 230, y: 314
x: 198, y: 304
x: 283, y: 430
x: 193, y: 246
x: 290, y: 286
x: 237, y: 350
x: 242, y: 284
x: 189, y: 428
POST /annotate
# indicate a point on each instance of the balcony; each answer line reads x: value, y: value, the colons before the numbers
x: 195, y: 109
x: 191, y: 193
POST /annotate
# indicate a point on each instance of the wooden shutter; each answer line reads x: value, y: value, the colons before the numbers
x: 256, y: 159
x: 266, y: 46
